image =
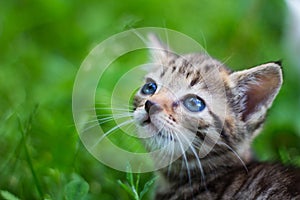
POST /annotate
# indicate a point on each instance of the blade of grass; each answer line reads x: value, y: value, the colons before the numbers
x: 126, y: 188
x: 130, y: 179
x: 147, y: 186
x: 8, y: 196
x: 25, y: 131
x: 15, y: 154
x: 129, y: 175
x: 137, y: 182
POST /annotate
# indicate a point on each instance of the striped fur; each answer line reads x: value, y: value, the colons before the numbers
x: 261, y: 181
x: 218, y: 162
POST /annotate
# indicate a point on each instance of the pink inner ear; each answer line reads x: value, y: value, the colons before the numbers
x: 260, y: 93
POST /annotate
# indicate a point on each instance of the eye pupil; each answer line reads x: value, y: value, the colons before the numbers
x: 194, y: 103
x: 149, y: 88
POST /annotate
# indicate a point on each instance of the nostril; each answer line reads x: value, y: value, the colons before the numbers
x: 152, y: 107
x: 148, y: 105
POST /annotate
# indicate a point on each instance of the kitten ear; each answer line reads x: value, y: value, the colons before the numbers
x: 160, y: 52
x: 256, y: 89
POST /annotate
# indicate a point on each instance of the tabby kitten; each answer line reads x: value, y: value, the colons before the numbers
x: 210, y: 114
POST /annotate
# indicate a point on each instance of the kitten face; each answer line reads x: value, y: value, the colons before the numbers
x: 205, y: 109
x: 180, y: 100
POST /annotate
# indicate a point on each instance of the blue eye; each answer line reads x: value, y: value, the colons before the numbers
x: 149, y: 88
x: 194, y: 103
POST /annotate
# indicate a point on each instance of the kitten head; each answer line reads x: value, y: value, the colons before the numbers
x: 209, y: 112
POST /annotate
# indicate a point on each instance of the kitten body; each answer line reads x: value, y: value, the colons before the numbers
x: 260, y: 181
x: 210, y: 115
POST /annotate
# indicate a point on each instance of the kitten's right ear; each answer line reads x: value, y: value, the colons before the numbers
x: 160, y: 52
x: 256, y: 89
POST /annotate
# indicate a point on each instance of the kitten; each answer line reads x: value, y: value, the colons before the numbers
x: 210, y: 114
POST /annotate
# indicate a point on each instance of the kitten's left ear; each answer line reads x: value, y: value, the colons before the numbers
x: 256, y: 89
x: 160, y: 52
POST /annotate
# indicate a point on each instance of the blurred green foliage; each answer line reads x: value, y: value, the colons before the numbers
x: 42, y: 44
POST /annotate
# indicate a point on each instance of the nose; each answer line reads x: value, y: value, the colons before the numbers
x: 151, y: 107
x: 148, y: 105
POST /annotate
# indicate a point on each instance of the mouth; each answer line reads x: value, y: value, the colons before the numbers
x: 160, y: 133
x: 146, y: 121
x: 167, y: 137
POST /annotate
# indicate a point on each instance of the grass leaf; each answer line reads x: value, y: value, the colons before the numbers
x: 133, y: 189
x: 137, y: 182
x: 8, y: 196
x: 129, y: 175
x: 127, y: 188
x: 147, y: 186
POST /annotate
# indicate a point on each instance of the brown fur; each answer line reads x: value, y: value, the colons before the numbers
x: 218, y: 163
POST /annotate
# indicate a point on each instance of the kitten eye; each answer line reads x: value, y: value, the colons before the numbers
x: 194, y: 103
x: 149, y: 88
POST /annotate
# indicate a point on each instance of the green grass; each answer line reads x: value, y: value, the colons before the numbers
x: 42, y: 44
x: 132, y: 185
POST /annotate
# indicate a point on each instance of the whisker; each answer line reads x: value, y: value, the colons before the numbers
x: 139, y: 35
x: 236, y: 154
x: 102, y: 121
x: 120, y: 102
x: 197, y: 159
x: 97, y: 120
x: 112, y: 130
x: 115, y: 115
x: 167, y: 37
x: 226, y: 60
x: 185, y: 158
x: 205, y: 49
x: 172, y: 154
x: 90, y: 127
x: 112, y: 109
x: 109, y: 118
x: 124, y: 109
x: 131, y: 126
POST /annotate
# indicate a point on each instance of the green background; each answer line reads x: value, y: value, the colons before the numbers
x: 42, y: 45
